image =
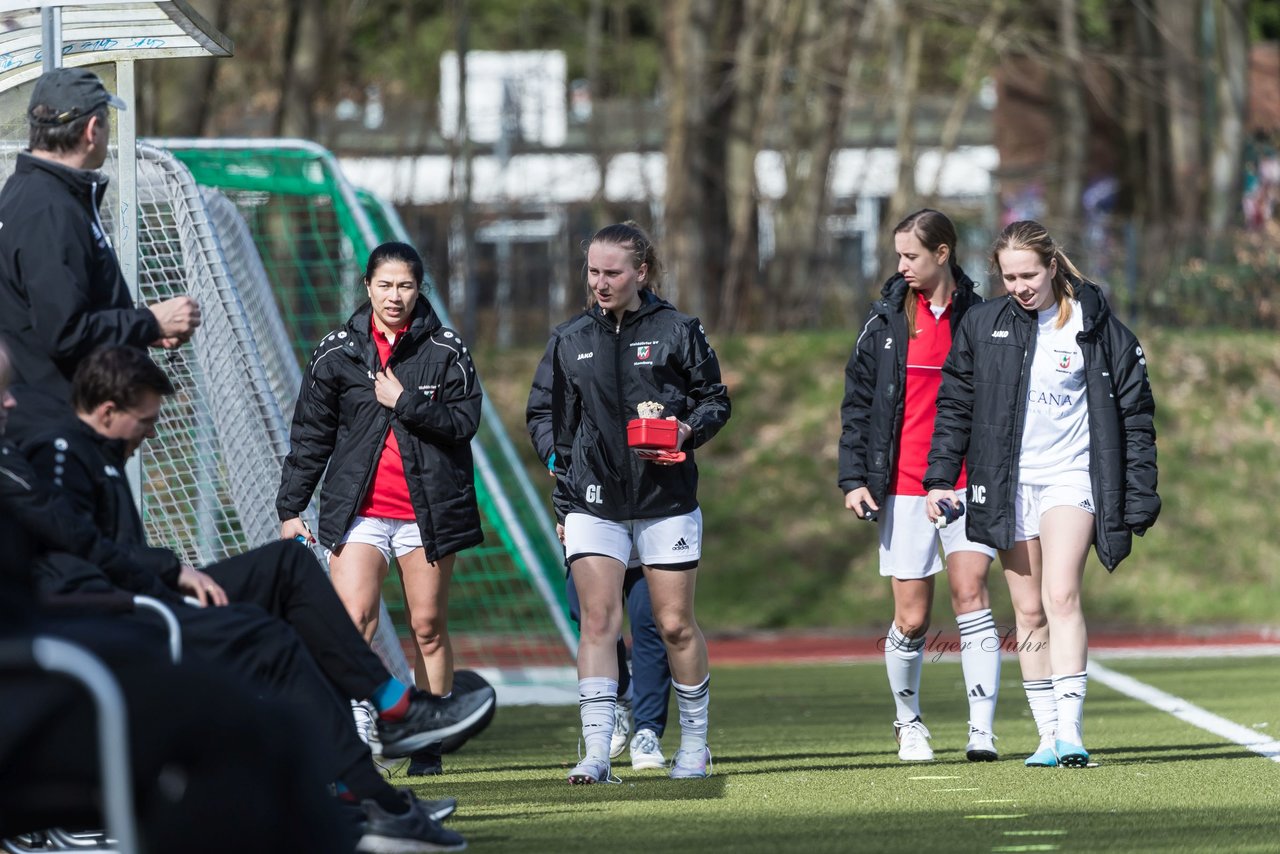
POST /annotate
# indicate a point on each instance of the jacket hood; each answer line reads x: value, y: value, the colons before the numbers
x: 894, y: 291
x: 1093, y: 304
x: 649, y: 303
x: 113, y: 450
x: 424, y: 321
x: 85, y: 183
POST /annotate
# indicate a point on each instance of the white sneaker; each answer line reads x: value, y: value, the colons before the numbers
x: 592, y: 769
x: 366, y: 728
x: 913, y: 741
x: 981, y: 747
x: 646, y: 752
x: 621, y: 728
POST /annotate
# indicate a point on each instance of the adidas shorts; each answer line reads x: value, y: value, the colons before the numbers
x: 671, y: 542
x: 1074, y: 490
x: 389, y: 536
x: 909, y: 542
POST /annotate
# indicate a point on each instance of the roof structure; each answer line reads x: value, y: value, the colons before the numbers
x: 97, y: 31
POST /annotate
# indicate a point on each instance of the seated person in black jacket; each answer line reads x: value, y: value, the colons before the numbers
x: 281, y: 578
x: 202, y: 746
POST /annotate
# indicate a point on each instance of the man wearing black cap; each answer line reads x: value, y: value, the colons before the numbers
x: 62, y: 294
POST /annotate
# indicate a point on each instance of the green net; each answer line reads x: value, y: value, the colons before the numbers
x: 313, y: 231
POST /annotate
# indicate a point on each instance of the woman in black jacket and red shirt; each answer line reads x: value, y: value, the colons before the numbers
x: 1045, y: 398
x: 389, y: 405
x: 891, y: 389
x: 632, y: 348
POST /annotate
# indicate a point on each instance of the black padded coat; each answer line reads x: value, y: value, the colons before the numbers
x: 875, y: 387
x: 982, y: 410
x: 600, y: 370
x: 339, y: 428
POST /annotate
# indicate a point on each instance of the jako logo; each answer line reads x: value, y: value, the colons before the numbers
x: 977, y: 494
x: 582, y: 356
x: 1000, y: 333
x: 593, y: 494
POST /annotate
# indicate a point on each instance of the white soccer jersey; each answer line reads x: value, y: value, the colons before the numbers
x: 1055, y: 438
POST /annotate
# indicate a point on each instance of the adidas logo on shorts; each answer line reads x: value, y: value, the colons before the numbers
x: 1086, y: 505
x: 680, y: 546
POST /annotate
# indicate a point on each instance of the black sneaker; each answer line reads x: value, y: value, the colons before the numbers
x: 430, y: 719
x: 426, y: 762
x: 414, y: 830
x: 441, y: 809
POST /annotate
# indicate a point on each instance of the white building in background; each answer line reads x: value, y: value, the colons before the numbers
x: 525, y: 89
x: 549, y: 179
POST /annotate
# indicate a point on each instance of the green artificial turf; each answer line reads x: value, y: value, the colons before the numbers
x: 805, y: 761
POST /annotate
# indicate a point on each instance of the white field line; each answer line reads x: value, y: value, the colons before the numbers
x: 1186, y: 711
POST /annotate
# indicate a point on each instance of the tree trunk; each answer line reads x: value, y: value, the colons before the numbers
x: 1231, y: 69
x: 757, y: 78
x: 907, y: 34
x: 975, y: 68
x: 686, y: 38
x: 463, y: 301
x: 1073, y: 131
x: 1176, y: 20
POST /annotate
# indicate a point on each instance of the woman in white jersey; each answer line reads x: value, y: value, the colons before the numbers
x: 1045, y: 399
x: 891, y: 389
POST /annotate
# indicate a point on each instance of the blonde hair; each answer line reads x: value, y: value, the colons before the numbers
x: 1032, y: 236
x: 630, y: 236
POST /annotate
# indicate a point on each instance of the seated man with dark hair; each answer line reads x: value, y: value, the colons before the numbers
x: 317, y: 659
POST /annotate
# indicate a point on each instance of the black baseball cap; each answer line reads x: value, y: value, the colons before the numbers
x: 68, y: 94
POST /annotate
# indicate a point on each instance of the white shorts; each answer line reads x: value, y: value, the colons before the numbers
x: 389, y: 536
x: 909, y: 542
x: 670, y: 542
x: 1035, y: 499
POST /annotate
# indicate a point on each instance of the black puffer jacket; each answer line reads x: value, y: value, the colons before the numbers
x: 89, y: 469
x: 982, y: 410
x: 339, y: 423
x: 537, y: 411
x: 62, y: 294
x: 38, y: 527
x: 874, y: 383
x: 601, y: 370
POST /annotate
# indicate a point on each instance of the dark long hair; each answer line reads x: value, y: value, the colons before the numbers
x: 934, y: 230
x: 402, y: 252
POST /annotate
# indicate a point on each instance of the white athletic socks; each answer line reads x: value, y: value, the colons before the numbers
x: 1068, y: 692
x: 903, y: 657
x: 980, y: 660
x: 1044, y: 707
x: 597, y: 704
x: 693, y: 701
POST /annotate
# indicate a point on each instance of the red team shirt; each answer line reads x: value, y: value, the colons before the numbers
x: 388, y: 495
x: 925, y: 354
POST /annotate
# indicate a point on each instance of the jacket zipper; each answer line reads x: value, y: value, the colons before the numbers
x: 368, y: 471
x: 1099, y: 542
x: 1020, y: 417
x: 622, y: 417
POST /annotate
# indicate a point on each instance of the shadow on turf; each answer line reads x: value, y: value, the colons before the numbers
x: 555, y: 788
x: 1175, y: 753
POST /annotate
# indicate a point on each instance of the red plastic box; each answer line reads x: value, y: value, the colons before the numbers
x: 657, y: 434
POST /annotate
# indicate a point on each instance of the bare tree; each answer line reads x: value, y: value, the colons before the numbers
x: 1073, y: 133
x: 1230, y: 67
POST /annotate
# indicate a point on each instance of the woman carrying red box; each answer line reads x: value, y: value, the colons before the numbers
x: 633, y: 348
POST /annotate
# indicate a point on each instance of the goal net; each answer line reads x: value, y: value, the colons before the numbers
x: 311, y: 232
